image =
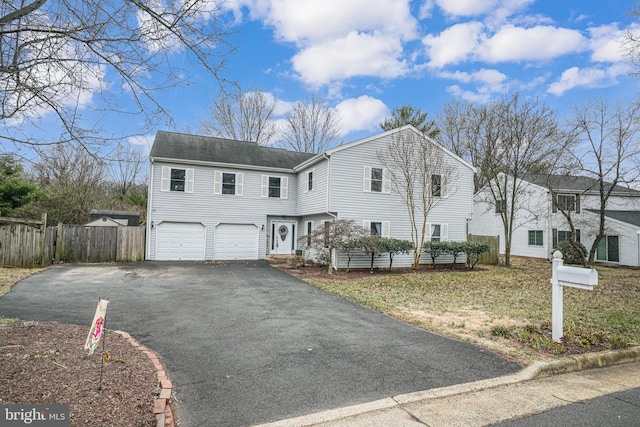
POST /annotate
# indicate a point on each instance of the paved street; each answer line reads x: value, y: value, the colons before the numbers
x: 245, y: 343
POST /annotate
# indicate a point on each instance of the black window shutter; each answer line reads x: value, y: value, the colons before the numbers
x: 554, y: 233
x: 578, y: 203
x: 554, y: 203
x: 577, y: 234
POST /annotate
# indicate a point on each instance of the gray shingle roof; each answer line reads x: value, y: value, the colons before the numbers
x: 179, y: 146
x: 630, y: 217
x: 573, y: 183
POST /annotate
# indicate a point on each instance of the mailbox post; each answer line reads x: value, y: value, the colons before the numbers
x: 575, y: 277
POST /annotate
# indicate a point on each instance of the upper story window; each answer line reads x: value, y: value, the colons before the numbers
x: 310, y: 184
x: 436, y: 185
x: 501, y: 206
x: 228, y: 183
x: 275, y: 187
x: 376, y: 180
x: 177, y: 179
x: 567, y: 203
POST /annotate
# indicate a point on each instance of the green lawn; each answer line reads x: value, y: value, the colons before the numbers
x: 506, y: 309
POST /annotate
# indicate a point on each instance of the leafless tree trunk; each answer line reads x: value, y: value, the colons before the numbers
x: 514, y: 137
x: 63, y: 59
x: 412, y: 161
x: 242, y: 115
x: 608, y: 151
x: 311, y: 126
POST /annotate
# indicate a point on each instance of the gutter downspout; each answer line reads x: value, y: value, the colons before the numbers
x: 327, y: 211
x: 149, y: 212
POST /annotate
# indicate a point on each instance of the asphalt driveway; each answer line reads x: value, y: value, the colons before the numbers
x: 245, y: 343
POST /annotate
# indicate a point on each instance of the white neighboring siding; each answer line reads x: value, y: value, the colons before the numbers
x: 210, y: 209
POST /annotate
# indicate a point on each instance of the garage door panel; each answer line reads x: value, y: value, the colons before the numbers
x: 236, y: 241
x: 180, y: 241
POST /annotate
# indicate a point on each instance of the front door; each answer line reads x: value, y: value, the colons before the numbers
x: 282, y: 237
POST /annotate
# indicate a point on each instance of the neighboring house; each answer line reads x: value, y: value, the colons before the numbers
x: 219, y: 199
x: 109, y: 218
x: 540, y: 224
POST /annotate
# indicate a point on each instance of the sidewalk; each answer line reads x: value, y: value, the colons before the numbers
x: 537, y: 388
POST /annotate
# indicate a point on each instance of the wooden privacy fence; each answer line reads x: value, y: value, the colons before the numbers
x: 491, y: 257
x: 25, y: 245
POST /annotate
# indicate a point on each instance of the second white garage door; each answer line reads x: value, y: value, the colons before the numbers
x: 236, y: 241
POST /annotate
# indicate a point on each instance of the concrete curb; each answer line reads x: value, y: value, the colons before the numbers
x: 537, y: 370
x: 161, y: 404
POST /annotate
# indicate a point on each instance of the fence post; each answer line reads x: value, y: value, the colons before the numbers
x: 59, y: 243
x: 43, y: 239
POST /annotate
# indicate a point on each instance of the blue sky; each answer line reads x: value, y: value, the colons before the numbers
x: 367, y: 57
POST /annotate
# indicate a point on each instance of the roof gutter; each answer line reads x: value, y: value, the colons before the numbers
x: 328, y: 211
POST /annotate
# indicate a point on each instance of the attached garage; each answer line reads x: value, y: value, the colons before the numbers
x: 236, y: 241
x: 180, y: 241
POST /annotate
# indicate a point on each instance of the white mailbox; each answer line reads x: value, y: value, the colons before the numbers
x: 576, y: 277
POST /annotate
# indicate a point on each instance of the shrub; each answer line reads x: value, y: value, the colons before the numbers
x: 573, y: 252
x: 395, y: 246
x: 474, y: 251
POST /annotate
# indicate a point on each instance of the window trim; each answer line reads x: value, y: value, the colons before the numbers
x: 165, y: 179
x: 538, y: 233
x: 444, y: 231
x: 310, y: 183
x: 385, y: 186
x: 218, y: 183
x: 284, y: 187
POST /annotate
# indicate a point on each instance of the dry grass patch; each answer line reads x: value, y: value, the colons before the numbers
x: 495, y: 304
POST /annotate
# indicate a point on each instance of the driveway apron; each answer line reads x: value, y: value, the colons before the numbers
x: 245, y: 343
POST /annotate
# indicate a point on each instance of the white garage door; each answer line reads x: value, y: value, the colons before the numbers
x: 180, y: 241
x: 236, y: 241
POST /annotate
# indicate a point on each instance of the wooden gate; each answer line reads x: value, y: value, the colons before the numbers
x: 491, y: 257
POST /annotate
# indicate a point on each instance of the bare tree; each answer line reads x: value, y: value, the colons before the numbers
x: 62, y: 59
x: 242, y: 115
x: 311, y: 126
x: 73, y: 181
x: 126, y: 165
x: 523, y: 136
x: 608, y: 151
x: 340, y: 234
x: 422, y: 175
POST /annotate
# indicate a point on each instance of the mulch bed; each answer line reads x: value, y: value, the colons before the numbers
x: 46, y: 363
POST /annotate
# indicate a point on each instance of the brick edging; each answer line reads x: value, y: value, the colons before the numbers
x: 161, y: 404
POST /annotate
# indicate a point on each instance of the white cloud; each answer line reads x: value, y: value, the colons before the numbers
x: 592, y: 77
x: 354, y: 55
x: 512, y: 43
x: 607, y: 43
x: 453, y: 45
x: 362, y: 113
x: 302, y: 21
x: 143, y: 141
x: 467, y: 7
x: 480, y: 96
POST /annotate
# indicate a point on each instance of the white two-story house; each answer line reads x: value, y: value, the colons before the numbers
x: 217, y: 199
x: 545, y: 205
